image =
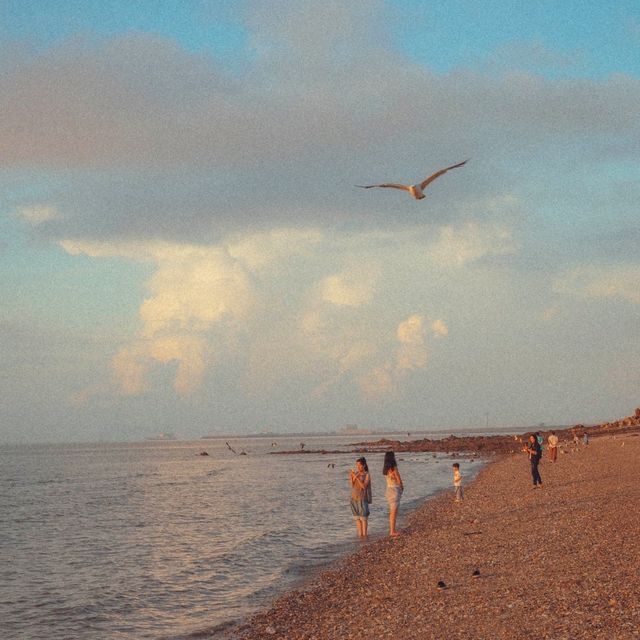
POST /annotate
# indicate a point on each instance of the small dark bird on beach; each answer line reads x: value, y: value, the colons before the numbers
x: 415, y: 190
x: 441, y: 584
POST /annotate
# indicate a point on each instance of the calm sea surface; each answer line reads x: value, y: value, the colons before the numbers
x: 152, y: 540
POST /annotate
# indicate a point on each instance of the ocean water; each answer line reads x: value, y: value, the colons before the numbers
x: 153, y: 540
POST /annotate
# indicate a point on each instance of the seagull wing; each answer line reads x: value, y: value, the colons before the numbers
x: 437, y: 174
x: 389, y: 185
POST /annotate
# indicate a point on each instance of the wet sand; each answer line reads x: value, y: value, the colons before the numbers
x: 562, y: 562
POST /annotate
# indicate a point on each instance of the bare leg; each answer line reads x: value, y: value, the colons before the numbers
x: 365, y: 525
x: 393, y: 514
x: 359, y: 526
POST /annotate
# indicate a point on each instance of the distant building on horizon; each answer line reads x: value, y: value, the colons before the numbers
x: 162, y: 436
x: 353, y: 429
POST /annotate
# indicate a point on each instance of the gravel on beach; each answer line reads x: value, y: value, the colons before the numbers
x: 560, y: 562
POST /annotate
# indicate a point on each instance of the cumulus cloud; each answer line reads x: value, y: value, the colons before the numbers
x: 130, y: 367
x: 602, y: 281
x: 439, y: 328
x: 378, y: 382
x: 456, y: 246
x: 133, y: 363
x: 274, y: 246
x: 289, y: 303
x: 234, y: 184
x: 37, y: 214
x: 193, y: 290
x: 411, y: 355
x: 352, y: 289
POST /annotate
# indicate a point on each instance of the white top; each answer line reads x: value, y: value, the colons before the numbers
x: 391, y: 479
x: 552, y: 440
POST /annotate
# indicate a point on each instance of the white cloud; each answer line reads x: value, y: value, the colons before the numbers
x: 377, y: 383
x: 602, y: 281
x: 276, y: 301
x: 193, y: 290
x: 275, y: 246
x: 130, y: 368
x: 457, y: 246
x: 37, y: 214
x: 190, y: 353
x: 440, y: 329
x: 351, y: 289
x: 412, y: 353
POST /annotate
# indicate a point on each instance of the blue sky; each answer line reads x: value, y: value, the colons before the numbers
x: 182, y: 247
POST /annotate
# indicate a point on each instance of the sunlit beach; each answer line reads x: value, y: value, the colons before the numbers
x: 319, y: 320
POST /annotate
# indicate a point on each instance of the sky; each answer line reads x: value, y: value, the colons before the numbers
x: 183, y: 249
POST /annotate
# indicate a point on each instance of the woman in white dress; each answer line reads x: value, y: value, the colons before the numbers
x: 394, y: 489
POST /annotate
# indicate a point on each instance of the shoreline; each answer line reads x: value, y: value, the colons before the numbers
x: 307, y: 574
x: 502, y: 529
x: 483, y: 444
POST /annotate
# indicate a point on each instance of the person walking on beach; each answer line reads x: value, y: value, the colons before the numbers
x: 552, y: 443
x: 394, y: 489
x: 360, y: 495
x: 457, y: 482
x: 535, y: 453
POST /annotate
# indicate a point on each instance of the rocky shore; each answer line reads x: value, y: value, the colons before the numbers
x: 482, y: 445
x: 559, y: 562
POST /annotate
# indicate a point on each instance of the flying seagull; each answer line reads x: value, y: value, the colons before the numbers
x: 416, y: 190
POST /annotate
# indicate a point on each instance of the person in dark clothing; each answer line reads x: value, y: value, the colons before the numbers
x: 534, y: 450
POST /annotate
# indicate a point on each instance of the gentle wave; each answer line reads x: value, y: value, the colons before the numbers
x: 155, y: 541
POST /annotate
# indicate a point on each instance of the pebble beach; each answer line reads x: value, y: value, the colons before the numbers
x: 560, y: 562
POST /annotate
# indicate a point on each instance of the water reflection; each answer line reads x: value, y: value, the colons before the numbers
x: 155, y: 541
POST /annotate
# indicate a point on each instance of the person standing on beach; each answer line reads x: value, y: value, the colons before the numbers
x: 535, y: 453
x: 360, y: 495
x: 540, y: 440
x: 457, y: 482
x: 576, y: 440
x: 394, y: 489
x: 552, y: 443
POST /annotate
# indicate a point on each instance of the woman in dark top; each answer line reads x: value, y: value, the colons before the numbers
x: 534, y: 450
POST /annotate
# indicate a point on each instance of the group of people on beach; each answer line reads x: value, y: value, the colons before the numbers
x: 361, y: 497
x: 534, y: 447
x: 360, y: 480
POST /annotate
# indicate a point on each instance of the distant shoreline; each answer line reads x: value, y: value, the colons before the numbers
x: 377, y: 432
x: 483, y: 445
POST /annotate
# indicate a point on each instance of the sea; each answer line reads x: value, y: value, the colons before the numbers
x: 156, y: 540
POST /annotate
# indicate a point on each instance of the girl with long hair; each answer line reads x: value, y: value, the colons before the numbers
x: 394, y: 489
